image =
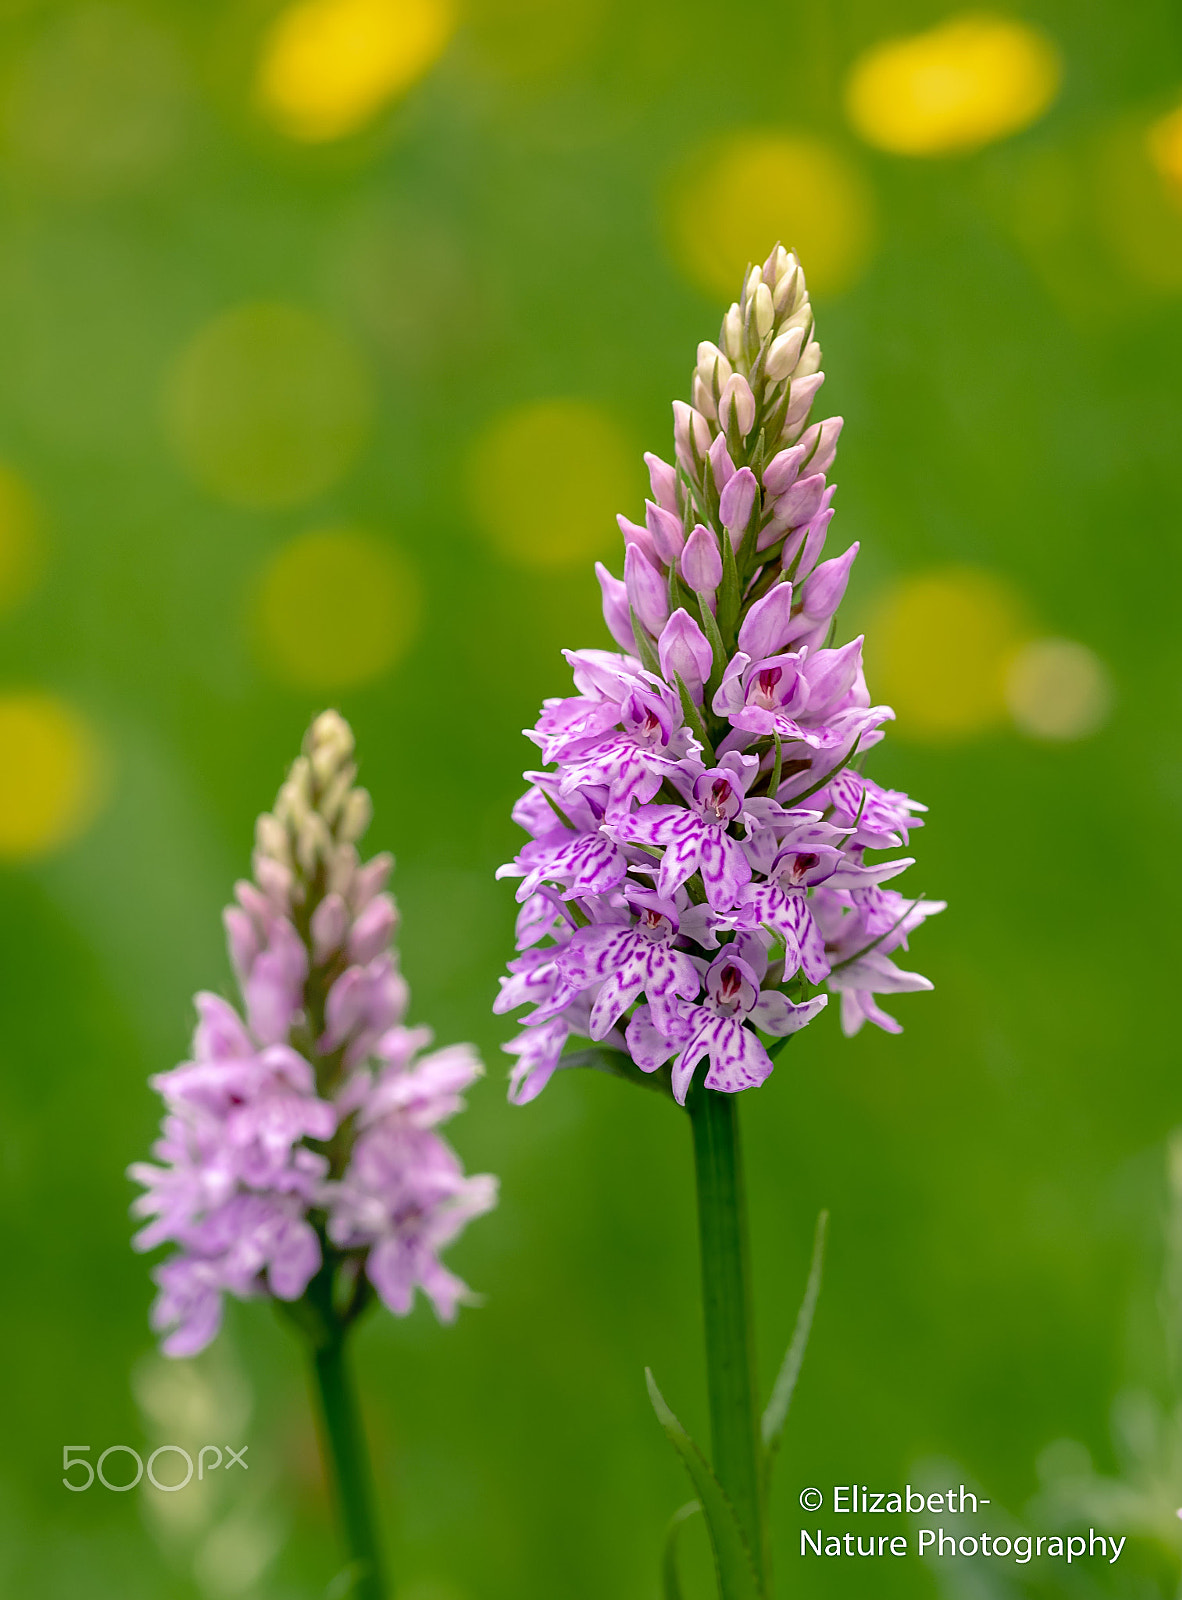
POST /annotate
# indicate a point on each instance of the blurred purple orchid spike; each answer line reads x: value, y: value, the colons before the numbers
x: 717, y: 759
x: 300, y: 1156
x: 308, y: 1129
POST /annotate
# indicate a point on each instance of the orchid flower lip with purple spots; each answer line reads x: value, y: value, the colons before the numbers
x: 307, y: 1127
x: 697, y: 879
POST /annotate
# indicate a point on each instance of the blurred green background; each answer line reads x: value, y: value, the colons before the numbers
x: 331, y: 339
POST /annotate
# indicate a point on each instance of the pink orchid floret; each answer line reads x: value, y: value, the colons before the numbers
x: 303, y: 1134
x: 697, y: 880
x: 404, y: 1194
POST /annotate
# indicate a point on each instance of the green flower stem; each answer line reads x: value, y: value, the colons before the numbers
x: 726, y: 1306
x: 346, y: 1461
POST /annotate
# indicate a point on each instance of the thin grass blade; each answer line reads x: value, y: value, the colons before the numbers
x: 670, y: 1581
x: 777, y: 1407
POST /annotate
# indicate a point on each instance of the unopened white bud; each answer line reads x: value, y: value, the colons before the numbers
x: 747, y: 304
x: 709, y: 358
x: 786, y: 265
x: 703, y: 397
x: 342, y: 871
x: 713, y: 369
x: 691, y: 434
x: 788, y: 292
x: 333, y: 797
x: 763, y: 310
x: 773, y: 267
x: 732, y: 332
x: 313, y: 842
x: 737, y: 400
x: 810, y: 361
x: 271, y: 838
x: 783, y: 354
x: 356, y: 815
x: 329, y: 743
x: 294, y: 799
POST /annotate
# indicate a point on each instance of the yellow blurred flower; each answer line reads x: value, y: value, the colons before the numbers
x: 336, y: 607
x: 51, y: 775
x: 546, y: 480
x: 733, y: 201
x: 20, y: 543
x: 963, y: 84
x: 1058, y: 689
x: 939, y: 646
x: 1164, y: 143
x: 328, y: 66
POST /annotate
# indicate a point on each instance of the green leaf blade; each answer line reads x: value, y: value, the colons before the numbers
x: 732, y: 1555
x: 721, y: 659
x: 728, y: 590
x: 644, y: 649
x: 693, y: 720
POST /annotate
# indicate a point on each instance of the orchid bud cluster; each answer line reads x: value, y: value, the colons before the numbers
x: 302, y: 1134
x: 697, y: 879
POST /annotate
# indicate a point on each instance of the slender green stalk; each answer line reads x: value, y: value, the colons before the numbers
x: 346, y: 1461
x: 726, y: 1307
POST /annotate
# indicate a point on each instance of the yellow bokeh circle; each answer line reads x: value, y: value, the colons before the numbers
x: 1164, y: 144
x: 1058, y: 689
x: 335, y: 608
x: 938, y: 647
x: 546, y: 480
x: 20, y: 539
x: 328, y: 66
x: 971, y: 80
x: 736, y: 199
x: 52, y: 778
x: 268, y: 405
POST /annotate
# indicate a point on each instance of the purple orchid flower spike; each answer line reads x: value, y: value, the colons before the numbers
x: 300, y: 1157
x: 697, y: 882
